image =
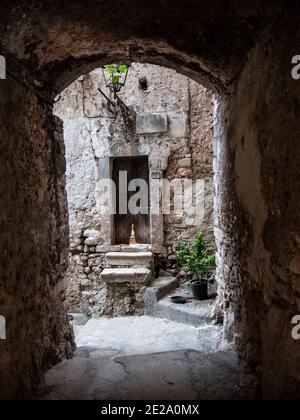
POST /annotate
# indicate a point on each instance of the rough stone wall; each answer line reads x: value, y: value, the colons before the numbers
x: 52, y: 45
x: 33, y: 241
x: 90, y: 136
x: 258, y: 202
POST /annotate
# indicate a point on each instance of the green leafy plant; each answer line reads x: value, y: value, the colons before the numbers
x: 182, y: 252
x: 116, y: 71
x: 195, y: 259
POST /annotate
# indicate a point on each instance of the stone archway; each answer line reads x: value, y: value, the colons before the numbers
x: 46, y: 47
x: 171, y: 131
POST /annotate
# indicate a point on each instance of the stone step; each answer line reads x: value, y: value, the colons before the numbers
x: 129, y: 259
x: 198, y: 315
x: 124, y: 248
x: 158, y: 289
x: 137, y: 276
x: 135, y: 248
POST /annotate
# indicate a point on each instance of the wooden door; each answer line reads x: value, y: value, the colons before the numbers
x: 135, y: 168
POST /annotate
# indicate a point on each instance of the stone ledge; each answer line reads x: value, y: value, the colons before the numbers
x: 123, y: 248
x: 129, y: 258
x: 186, y: 314
x: 139, y: 276
x: 135, y: 248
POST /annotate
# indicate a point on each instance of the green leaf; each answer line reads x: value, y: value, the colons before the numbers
x: 115, y: 80
x: 182, y: 252
x: 123, y: 68
x: 115, y: 68
x: 111, y: 68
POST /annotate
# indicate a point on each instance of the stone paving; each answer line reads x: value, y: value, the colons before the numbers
x: 140, y: 358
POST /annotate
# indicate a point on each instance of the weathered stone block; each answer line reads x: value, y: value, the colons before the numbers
x: 93, y: 237
x: 185, y: 163
x: 151, y: 123
x: 139, y: 276
x: 108, y: 248
x: 129, y: 258
x: 134, y: 248
x: 178, y: 124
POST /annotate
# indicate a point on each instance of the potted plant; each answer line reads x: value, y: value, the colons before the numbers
x: 198, y: 263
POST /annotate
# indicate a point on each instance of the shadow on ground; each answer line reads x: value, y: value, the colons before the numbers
x: 175, y: 375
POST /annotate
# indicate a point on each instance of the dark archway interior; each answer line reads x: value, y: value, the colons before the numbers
x: 51, y: 45
x: 243, y: 52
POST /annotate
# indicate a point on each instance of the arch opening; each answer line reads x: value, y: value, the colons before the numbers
x: 126, y: 265
x: 257, y: 213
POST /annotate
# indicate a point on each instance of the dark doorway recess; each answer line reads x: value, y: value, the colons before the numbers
x: 126, y: 224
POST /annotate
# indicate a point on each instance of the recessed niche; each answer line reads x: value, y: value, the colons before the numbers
x: 143, y: 84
